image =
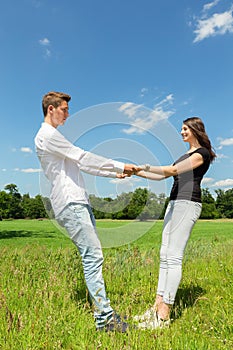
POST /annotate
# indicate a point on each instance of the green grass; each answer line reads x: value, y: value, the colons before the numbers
x: 44, y: 302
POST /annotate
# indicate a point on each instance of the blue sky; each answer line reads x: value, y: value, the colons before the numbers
x: 135, y: 71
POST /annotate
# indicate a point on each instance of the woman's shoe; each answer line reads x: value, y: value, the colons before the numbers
x: 146, y: 316
x: 153, y: 321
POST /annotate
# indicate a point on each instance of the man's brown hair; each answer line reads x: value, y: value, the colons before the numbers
x: 55, y: 99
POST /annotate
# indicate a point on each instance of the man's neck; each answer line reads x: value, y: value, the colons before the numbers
x: 48, y: 121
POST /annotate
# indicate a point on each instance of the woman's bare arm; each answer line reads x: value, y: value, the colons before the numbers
x: 192, y: 162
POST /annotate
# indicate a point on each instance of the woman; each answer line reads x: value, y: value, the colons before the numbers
x: 183, y: 210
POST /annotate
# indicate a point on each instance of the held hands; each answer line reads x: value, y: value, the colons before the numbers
x: 122, y: 176
x: 131, y: 169
x: 145, y: 171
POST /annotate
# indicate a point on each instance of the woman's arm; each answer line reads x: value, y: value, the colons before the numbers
x: 192, y: 162
x: 149, y: 175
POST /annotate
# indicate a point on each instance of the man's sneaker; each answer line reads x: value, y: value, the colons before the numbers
x: 146, y: 316
x: 115, y: 325
x: 154, y: 322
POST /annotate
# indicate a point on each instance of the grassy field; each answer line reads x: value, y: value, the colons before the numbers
x: 44, y: 302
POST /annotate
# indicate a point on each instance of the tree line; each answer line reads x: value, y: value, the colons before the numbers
x: 142, y: 204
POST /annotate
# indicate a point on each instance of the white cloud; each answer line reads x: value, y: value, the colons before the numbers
x: 26, y: 149
x: 143, y: 92
x: 45, y: 42
x: 129, y: 109
x: 30, y: 170
x: 140, y: 125
x: 47, y: 53
x: 224, y: 183
x: 124, y: 181
x: 210, y: 5
x: 4, y: 169
x: 221, y: 156
x: 207, y: 180
x: 217, y: 24
x: 225, y: 142
x: 141, y: 119
x: 168, y: 100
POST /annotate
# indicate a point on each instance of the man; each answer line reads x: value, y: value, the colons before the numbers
x: 62, y: 163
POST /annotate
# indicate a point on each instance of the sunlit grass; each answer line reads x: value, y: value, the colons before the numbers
x: 44, y: 302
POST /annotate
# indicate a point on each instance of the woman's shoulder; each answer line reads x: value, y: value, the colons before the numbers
x: 203, y: 151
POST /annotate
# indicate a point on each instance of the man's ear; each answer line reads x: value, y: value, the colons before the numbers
x: 50, y: 108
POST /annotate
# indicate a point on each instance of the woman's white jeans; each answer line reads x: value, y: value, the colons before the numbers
x: 180, y: 217
x: 79, y: 222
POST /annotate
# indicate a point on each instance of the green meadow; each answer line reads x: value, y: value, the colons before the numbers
x: 44, y: 303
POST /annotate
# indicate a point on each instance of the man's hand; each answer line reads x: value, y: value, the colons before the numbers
x: 122, y: 176
x: 130, y: 169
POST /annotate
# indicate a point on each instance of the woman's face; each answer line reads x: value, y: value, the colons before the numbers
x: 186, y: 133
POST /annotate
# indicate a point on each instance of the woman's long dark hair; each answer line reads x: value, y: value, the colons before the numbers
x: 198, y: 129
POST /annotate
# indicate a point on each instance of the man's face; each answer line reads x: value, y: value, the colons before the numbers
x: 59, y: 115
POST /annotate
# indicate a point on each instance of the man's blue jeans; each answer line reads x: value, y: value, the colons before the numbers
x: 180, y: 217
x: 79, y: 222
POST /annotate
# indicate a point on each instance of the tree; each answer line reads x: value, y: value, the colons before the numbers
x: 141, y: 204
x: 164, y: 208
x: 4, y: 204
x: 224, y: 203
x: 138, y: 203
x: 121, y: 206
x: 14, y: 209
x: 209, y: 210
x: 98, y: 206
x: 154, y: 207
x: 33, y: 208
x: 13, y: 190
x: 156, y: 204
x: 15, y: 206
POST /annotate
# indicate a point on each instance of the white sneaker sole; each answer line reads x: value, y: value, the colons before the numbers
x: 151, y: 321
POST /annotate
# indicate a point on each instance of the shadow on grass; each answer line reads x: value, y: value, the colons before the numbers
x: 80, y: 294
x: 23, y: 234
x: 186, y: 297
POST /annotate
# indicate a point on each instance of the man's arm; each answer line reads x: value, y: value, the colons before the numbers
x: 58, y: 145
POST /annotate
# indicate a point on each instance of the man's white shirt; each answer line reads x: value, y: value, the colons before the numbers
x: 62, y: 161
